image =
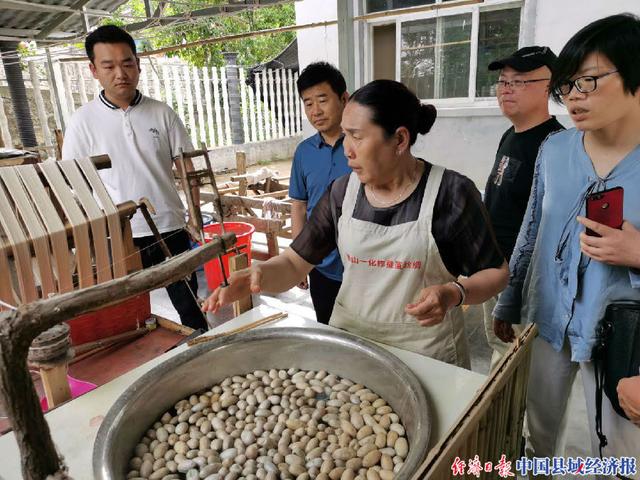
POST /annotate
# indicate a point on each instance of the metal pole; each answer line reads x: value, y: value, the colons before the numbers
x: 55, y: 88
x: 18, y: 91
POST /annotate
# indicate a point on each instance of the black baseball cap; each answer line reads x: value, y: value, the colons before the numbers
x: 527, y: 59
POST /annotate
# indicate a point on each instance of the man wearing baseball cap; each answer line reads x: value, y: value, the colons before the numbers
x: 522, y: 90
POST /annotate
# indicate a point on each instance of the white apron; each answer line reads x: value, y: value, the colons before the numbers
x: 384, y: 270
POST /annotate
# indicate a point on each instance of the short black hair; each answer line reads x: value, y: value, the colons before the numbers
x: 393, y: 106
x: 617, y: 37
x: 318, y: 72
x: 107, y: 34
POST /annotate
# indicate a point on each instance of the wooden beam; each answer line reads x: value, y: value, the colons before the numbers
x: 43, y: 7
x: 19, y: 32
x: 272, y: 244
x: 56, y: 386
x: 252, y: 202
x: 61, y: 18
x: 147, y: 8
x: 276, y: 194
x: 239, y: 262
x: 264, y: 225
x: 237, y: 36
x: 173, y: 326
x: 241, y: 168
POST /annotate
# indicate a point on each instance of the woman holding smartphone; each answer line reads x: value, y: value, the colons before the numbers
x: 562, y: 279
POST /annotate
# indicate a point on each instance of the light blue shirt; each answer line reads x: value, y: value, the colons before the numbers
x: 315, y: 165
x: 552, y: 283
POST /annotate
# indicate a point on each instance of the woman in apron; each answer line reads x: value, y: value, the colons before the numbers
x: 414, y: 238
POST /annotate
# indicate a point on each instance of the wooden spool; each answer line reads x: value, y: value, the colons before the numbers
x: 59, y: 230
x: 51, y: 352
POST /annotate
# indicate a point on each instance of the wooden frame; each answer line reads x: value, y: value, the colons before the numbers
x: 240, y: 207
x: 491, y: 426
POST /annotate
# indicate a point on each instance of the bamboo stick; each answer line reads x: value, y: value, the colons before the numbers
x: 243, y: 328
x: 107, y: 341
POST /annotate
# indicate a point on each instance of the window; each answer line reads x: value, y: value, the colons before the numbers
x: 435, y: 56
x: 497, y: 38
x: 381, y: 5
x: 444, y: 54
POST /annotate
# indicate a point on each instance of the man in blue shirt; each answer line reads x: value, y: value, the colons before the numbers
x: 318, y: 161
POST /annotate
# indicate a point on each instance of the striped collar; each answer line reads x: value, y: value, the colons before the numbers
x: 136, y: 100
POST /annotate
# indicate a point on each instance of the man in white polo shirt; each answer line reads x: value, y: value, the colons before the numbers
x: 141, y: 136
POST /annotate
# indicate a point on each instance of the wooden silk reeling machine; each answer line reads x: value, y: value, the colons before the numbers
x: 65, y: 249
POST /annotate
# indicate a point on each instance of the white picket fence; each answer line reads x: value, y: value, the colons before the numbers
x: 199, y: 95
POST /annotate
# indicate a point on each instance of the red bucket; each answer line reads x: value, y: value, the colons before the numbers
x: 243, y: 233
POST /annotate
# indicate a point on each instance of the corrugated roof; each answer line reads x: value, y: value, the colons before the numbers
x: 28, y: 19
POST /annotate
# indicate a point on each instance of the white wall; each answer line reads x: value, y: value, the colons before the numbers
x: 319, y: 43
x: 556, y: 21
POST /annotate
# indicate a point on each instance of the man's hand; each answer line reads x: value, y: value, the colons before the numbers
x: 304, y: 284
x: 241, y: 283
x: 503, y: 330
x: 613, y: 247
x: 629, y: 398
x: 433, y: 303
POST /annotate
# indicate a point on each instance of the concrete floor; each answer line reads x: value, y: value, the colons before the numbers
x: 577, y: 438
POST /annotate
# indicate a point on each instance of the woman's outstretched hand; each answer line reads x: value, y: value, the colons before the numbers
x: 241, y: 283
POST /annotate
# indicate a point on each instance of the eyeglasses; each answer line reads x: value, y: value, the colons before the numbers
x: 517, y: 84
x: 585, y: 84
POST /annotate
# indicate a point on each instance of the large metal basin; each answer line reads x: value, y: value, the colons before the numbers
x: 209, y: 363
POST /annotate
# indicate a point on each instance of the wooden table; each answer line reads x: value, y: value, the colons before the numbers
x: 74, y: 425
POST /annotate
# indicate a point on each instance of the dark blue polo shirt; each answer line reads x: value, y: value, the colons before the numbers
x: 315, y: 166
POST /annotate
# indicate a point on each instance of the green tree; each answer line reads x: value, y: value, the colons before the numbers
x: 252, y: 51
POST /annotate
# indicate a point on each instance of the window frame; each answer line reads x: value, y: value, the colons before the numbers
x: 399, y: 18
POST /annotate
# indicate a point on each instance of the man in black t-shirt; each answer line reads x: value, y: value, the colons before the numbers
x: 522, y: 90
